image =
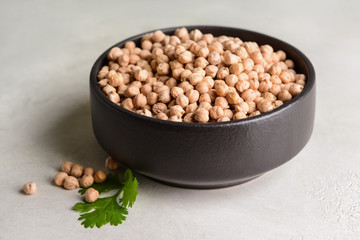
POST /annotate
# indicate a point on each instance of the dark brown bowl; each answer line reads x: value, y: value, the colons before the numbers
x: 210, y: 155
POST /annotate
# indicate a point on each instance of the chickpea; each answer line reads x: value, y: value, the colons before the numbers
x: 60, y: 178
x: 254, y: 113
x: 202, y: 87
x: 140, y: 100
x: 201, y: 115
x: 214, y: 58
x: 239, y: 115
x: 205, y: 105
x: 191, y: 108
x: 192, y: 95
x: 71, y: 182
x: 295, y: 89
x: 286, y: 76
x: 176, y: 110
x: 77, y: 170
x: 185, y: 57
x: 211, y: 71
x: 195, y: 78
x: 162, y: 116
x: 236, y: 68
x: 278, y: 103
x: 30, y: 188
x: 189, y: 117
x: 265, y: 105
x: 158, y: 108
x: 223, y: 119
x: 221, y: 88
x: 242, y: 107
x: 252, y: 106
x: 163, y: 69
x: 91, y: 195
x: 216, y: 112
x: 86, y: 181
x: 182, y: 100
x: 111, y: 164
x: 164, y: 96
x: 141, y: 75
x: 284, y: 95
x: 248, y: 95
x: 231, y: 80
x: 233, y: 98
x: 114, y: 53
x: 222, y: 72
x: 132, y: 91
x: 100, y: 176
x: 128, y: 104
x: 66, y: 166
x: 221, y: 102
x: 89, y: 171
x: 205, y: 98
x: 114, y: 97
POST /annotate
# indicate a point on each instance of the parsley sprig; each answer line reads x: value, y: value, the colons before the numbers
x: 111, y: 209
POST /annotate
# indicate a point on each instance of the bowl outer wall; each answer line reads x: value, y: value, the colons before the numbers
x: 206, y: 155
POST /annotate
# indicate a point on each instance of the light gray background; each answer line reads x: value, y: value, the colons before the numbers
x: 46, y: 51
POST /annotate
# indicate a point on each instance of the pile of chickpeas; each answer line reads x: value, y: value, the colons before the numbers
x: 70, y: 174
x: 196, y: 77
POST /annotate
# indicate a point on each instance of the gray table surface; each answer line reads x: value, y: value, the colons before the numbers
x: 47, y: 50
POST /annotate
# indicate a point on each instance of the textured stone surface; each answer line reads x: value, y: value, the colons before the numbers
x: 47, y: 49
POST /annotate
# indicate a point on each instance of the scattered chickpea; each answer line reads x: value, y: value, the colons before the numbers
x: 91, y: 195
x: 30, y: 188
x: 86, y: 181
x: 182, y: 76
x: 110, y: 163
x: 66, y: 166
x: 71, y: 182
x: 77, y: 170
x: 89, y: 171
x: 100, y: 176
x: 60, y: 178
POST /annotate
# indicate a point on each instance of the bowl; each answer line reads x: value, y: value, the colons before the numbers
x: 206, y: 155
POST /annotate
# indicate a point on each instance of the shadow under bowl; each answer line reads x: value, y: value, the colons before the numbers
x: 211, y: 155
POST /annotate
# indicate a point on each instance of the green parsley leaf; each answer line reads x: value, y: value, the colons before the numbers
x: 109, y: 209
x: 112, y: 182
x: 129, y: 190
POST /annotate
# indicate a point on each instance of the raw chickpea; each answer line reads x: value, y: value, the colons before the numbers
x: 171, y: 83
x: 136, y: 84
x: 254, y: 113
x: 116, y: 80
x: 205, y: 105
x: 201, y: 115
x: 265, y: 105
x: 300, y: 82
x: 145, y: 112
x: 214, y: 58
x: 114, y: 53
x: 164, y: 96
x: 239, y: 115
x: 103, y: 83
x: 248, y: 95
x: 182, y: 33
x: 284, y: 95
x: 108, y: 89
x: 158, y: 108
x: 278, y: 103
x: 185, y: 75
x: 176, y: 91
x: 205, y: 98
x: 275, y: 89
x: 60, y: 178
x: 211, y: 71
x: 162, y: 116
x: 175, y: 118
x: 233, y: 98
x: 139, y: 100
x: 128, y: 104
x: 221, y: 88
x: 252, y: 106
x: 221, y: 102
x: 189, y: 117
x: 242, y: 107
x: 286, y: 76
x: 223, y: 119
x: 132, y: 91
x: 145, y: 89
x: 202, y: 87
x: 203, y: 52
x: 158, y: 36
x: 248, y: 64
x: 77, y: 170
x: 228, y: 113
x: 195, y: 78
x: 191, y: 108
x: 201, y: 62
x: 231, y: 80
x: 66, y: 166
x: 30, y: 188
x: 124, y: 60
x: 242, y: 85
x: 71, y: 183
x: 295, y: 89
x: 185, y: 57
x: 111, y: 164
x: 100, y: 176
x: 89, y: 171
x: 289, y: 63
x: 114, y: 97
x: 236, y: 68
x: 269, y: 96
x: 192, y: 95
x: 275, y: 69
x: 182, y: 100
x: 216, y: 112
x: 141, y: 75
x: 265, y: 86
x: 209, y: 81
x: 146, y: 45
x: 86, y: 181
x: 91, y: 195
x: 176, y: 110
x: 230, y: 58
x: 222, y: 72
x: 163, y: 69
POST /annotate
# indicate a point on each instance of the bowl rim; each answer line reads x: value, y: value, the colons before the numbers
x: 310, y: 83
